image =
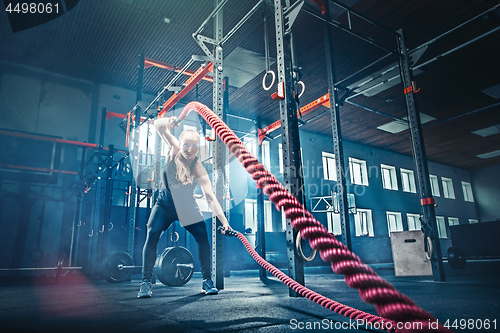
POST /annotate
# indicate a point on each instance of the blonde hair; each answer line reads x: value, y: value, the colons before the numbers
x: 184, y: 174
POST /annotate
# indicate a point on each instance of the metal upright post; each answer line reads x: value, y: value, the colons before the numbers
x: 338, y: 148
x: 227, y: 197
x: 157, y: 170
x: 290, y: 137
x: 134, y: 158
x: 108, y: 198
x: 261, y: 232
x: 420, y: 158
x: 94, y: 231
x: 218, y: 154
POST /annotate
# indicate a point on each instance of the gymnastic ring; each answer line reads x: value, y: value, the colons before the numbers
x: 264, y: 80
x: 176, y: 237
x: 303, y: 88
x: 430, y: 249
x: 298, y: 246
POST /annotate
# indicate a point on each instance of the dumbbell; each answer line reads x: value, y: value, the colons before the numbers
x: 173, y: 267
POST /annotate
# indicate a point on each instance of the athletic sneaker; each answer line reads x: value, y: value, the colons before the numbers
x: 145, y: 291
x: 208, y: 287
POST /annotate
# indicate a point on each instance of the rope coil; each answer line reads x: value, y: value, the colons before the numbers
x: 389, y: 303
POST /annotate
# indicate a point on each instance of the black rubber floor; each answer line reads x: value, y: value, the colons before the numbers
x: 247, y: 304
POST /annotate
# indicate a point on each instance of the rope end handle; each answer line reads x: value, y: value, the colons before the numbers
x: 229, y: 233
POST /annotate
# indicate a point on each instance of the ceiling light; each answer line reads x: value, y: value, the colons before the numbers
x: 489, y: 155
x: 493, y: 91
x: 495, y: 129
x: 400, y: 126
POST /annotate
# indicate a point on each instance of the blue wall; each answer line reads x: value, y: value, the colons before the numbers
x: 374, y: 196
x: 485, y: 185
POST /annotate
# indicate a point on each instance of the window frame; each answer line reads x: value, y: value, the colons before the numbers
x: 448, y: 189
x: 441, y: 227
x: 455, y: 219
x: 411, y: 181
x: 363, y: 171
x: 327, y: 158
x: 433, y: 179
x: 467, y: 191
x: 416, y: 224
x: 391, y: 173
x: 398, y: 221
x: 367, y: 213
x: 333, y: 223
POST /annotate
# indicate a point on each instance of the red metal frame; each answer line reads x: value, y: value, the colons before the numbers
x: 190, y: 83
x: 44, y: 138
x: 323, y: 100
x: 151, y: 62
x: 21, y: 167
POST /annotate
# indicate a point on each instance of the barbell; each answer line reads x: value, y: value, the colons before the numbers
x: 457, y: 258
x: 173, y: 267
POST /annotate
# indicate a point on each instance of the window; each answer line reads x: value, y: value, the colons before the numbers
x: 441, y: 227
x: 250, y: 144
x: 283, y: 219
x: 266, y: 155
x: 251, y: 214
x: 414, y: 222
x: 389, y: 177
x: 333, y: 221
x: 471, y: 221
x: 408, y: 181
x: 394, y: 222
x: 448, y: 191
x: 467, y: 189
x: 363, y: 222
x: 434, y: 185
x: 329, y: 166
x: 453, y: 221
x: 359, y: 174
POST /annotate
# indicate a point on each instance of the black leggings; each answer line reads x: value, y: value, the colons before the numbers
x: 159, y: 221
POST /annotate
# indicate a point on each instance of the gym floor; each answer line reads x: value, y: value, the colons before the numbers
x: 246, y: 304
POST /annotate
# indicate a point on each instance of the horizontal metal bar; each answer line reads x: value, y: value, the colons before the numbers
x: 189, y: 63
x: 241, y: 22
x: 460, y: 116
x: 457, y: 48
x: 238, y: 117
x: 376, y: 111
x: 38, y: 269
x: 457, y: 27
x: 363, y: 17
x: 350, y: 31
x: 362, y: 69
x: 214, y: 12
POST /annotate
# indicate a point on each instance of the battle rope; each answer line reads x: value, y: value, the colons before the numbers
x: 372, y: 289
x: 358, y: 315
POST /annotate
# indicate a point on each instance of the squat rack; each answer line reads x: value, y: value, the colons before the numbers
x: 290, y: 140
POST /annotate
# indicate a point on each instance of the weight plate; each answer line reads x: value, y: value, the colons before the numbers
x: 111, y: 267
x: 167, y: 267
x: 456, y: 257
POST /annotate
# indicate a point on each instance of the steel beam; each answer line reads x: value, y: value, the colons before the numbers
x: 219, y: 148
x: 134, y: 158
x: 336, y: 132
x: 290, y: 138
x: 420, y: 159
x: 261, y: 228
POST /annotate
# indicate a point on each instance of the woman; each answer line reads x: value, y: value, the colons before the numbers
x: 182, y: 172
